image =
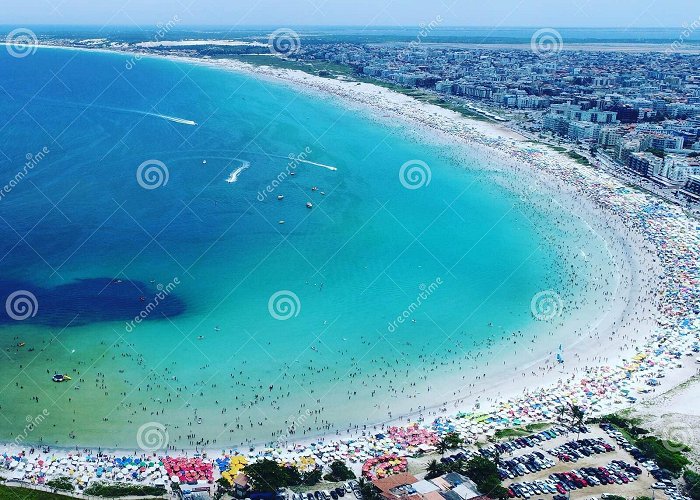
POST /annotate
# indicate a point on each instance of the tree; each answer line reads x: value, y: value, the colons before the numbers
x: 340, y: 471
x: 312, y: 477
x: 434, y: 469
x: 453, y: 440
x: 484, y: 473
x: 441, y: 446
x: 368, y: 490
x: 268, y: 475
x: 692, y: 484
x: 578, y: 416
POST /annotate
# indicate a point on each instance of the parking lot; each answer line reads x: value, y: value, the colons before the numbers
x: 580, y: 471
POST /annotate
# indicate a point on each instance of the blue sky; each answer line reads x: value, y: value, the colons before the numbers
x: 535, y: 13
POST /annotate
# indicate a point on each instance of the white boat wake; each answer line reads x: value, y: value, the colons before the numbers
x: 317, y: 164
x: 175, y: 119
x: 233, y: 176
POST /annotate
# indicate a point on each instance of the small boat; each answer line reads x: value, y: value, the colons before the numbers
x: 309, y: 204
x: 280, y: 197
x: 314, y: 188
x: 60, y: 377
x: 204, y: 162
x: 280, y: 222
x: 217, y: 329
x: 292, y: 173
x: 21, y: 344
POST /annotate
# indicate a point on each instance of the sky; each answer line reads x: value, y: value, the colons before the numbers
x: 238, y: 13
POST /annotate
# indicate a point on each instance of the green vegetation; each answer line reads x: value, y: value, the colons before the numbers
x: 331, y: 70
x: 484, y: 473
x: 369, y: 491
x: 667, y: 454
x: 62, y: 483
x: 514, y: 432
x: 324, y: 69
x: 12, y: 493
x: 311, y: 477
x: 339, y: 472
x: 659, y: 153
x: 692, y: 484
x: 268, y: 475
x: 579, y: 158
x: 113, y: 490
x: 558, y: 149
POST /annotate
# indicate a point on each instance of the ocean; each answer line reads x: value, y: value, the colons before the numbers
x: 141, y: 223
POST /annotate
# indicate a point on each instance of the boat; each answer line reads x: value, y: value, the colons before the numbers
x: 21, y: 344
x: 280, y: 222
x: 314, y: 188
x: 309, y: 204
x: 60, y: 377
x: 280, y: 197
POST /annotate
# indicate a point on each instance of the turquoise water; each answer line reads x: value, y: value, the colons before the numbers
x: 212, y: 360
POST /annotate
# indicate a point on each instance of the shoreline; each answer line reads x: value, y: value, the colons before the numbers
x: 485, y: 138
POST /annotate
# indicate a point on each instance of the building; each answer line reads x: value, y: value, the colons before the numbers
x: 609, y: 137
x: 678, y: 168
x: 662, y: 142
x: 645, y: 164
x: 692, y: 187
x: 451, y: 486
x: 575, y: 113
x: 583, y: 131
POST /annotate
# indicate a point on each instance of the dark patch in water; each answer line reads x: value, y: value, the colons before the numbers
x: 89, y: 301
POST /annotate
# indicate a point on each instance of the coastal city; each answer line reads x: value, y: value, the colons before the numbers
x: 632, y: 110
x: 592, y: 144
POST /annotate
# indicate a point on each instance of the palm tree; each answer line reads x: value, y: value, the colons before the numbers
x: 434, y: 469
x: 442, y: 446
x: 578, y: 416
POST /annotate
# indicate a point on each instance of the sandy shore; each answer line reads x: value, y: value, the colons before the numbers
x: 631, y: 316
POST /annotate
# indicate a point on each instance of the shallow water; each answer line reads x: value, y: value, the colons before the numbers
x: 216, y: 358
